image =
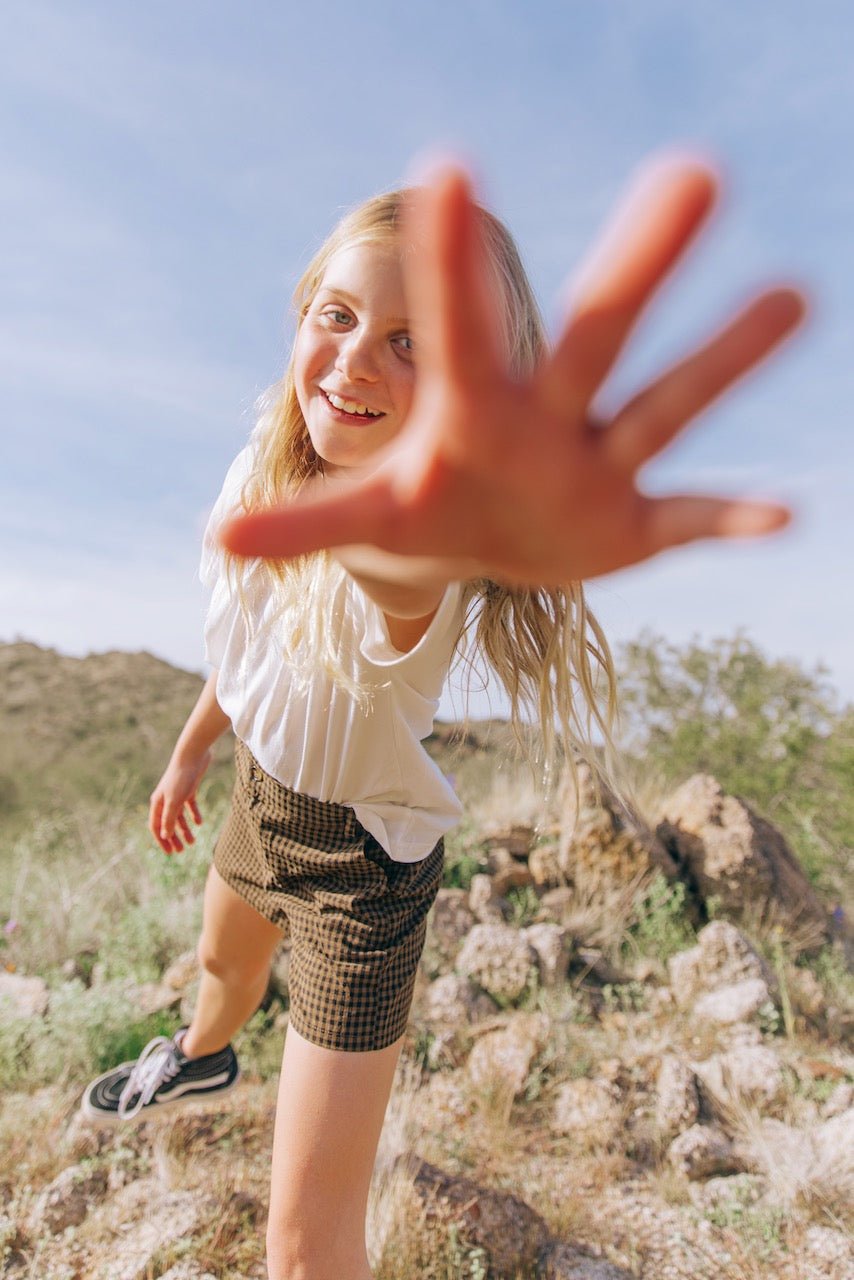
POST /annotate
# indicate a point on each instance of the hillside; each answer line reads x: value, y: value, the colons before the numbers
x: 101, y: 728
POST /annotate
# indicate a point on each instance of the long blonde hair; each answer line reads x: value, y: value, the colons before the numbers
x: 544, y: 644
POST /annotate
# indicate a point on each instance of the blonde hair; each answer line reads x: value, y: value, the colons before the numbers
x: 545, y: 646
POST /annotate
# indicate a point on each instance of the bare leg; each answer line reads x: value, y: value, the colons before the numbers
x: 235, y: 951
x: 329, y: 1118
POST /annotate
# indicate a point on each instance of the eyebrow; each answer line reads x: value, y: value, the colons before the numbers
x: 403, y: 322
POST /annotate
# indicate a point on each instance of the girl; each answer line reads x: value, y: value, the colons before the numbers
x: 425, y: 480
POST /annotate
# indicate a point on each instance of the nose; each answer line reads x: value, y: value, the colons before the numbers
x: 357, y: 357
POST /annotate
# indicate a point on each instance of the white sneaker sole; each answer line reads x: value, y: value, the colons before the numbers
x: 153, y: 1110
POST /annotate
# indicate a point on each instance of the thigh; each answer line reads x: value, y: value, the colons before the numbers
x: 329, y: 1118
x: 235, y: 937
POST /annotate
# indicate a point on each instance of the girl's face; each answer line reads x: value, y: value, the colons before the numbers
x: 353, y: 363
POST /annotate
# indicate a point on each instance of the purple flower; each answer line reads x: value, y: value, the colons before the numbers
x: 11, y: 926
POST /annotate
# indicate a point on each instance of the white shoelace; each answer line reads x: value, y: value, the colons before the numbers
x: 154, y: 1066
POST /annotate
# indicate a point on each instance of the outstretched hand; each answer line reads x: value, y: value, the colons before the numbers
x: 519, y: 481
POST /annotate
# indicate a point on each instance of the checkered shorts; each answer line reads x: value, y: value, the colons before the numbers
x: 357, y: 918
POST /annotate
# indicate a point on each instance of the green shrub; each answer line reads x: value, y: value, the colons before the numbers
x: 660, y: 927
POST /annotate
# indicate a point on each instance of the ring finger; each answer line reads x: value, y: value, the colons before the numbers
x: 652, y: 418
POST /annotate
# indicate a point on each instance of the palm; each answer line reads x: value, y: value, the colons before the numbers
x: 518, y: 481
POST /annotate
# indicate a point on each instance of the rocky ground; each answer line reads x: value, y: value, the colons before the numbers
x: 678, y: 1105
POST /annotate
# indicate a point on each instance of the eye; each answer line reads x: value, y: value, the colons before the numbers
x: 405, y: 341
x: 337, y: 316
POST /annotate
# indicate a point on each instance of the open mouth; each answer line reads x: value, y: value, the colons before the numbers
x: 344, y: 415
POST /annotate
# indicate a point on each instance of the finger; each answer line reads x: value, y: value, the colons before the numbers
x: 651, y: 419
x: 155, y: 810
x: 194, y: 810
x: 359, y: 515
x: 650, y: 231
x: 448, y: 283
x: 186, y: 831
x: 168, y: 819
x: 681, y: 518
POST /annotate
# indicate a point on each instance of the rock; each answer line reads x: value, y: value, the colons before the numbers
x: 751, y: 1075
x: 842, y: 1099
x: 484, y: 902
x: 807, y: 994
x: 826, y: 1245
x: 588, y: 1108
x: 449, y: 922
x: 604, y: 843
x: 455, y: 999
x: 68, y: 1199
x: 154, y: 997
x: 568, y: 1262
x: 739, y: 1191
x: 499, y: 960
x: 738, y: 858
x: 516, y: 840
x: 27, y: 996
x: 558, y: 904
x: 501, y: 1060
x: 280, y: 970
x: 553, y: 947
x: 727, y: 1005
x: 517, y: 876
x: 590, y: 962
x: 833, y: 1142
x: 152, y: 1220
x: 678, y: 1103
x: 186, y: 1271
x: 702, y: 1152
x: 544, y: 867
x: 182, y: 971
x: 722, y: 957
x: 509, y: 1231
x: 444, y: 1101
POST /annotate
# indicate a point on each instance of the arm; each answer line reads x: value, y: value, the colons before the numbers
x: 185, y: 770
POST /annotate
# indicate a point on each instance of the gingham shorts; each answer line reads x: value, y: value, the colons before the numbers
x: 356, y: 918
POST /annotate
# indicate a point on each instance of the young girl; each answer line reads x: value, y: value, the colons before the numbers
x: 425, y: 480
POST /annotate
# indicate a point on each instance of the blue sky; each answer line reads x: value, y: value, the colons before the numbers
x: 168, y: 169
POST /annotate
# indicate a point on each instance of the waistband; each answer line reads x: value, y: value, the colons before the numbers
x: 296, y: 805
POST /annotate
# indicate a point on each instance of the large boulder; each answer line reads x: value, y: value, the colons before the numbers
x: 603, y: 842
x: 729, y: 853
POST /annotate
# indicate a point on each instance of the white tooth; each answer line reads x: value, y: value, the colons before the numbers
x: 350, y: 406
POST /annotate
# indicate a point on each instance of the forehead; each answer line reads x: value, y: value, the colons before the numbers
x: 368, y: 271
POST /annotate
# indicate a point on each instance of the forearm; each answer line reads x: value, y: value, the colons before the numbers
x: 402, y: 586
x: 205, y: 723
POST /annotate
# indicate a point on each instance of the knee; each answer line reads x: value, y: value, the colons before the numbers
x: 228, y: 966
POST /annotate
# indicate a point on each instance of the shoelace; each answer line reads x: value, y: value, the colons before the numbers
x: 154, y: 1066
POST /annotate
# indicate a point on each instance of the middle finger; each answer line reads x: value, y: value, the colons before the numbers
x: 649, y: 232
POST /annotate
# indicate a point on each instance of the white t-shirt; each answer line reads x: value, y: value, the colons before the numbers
x: 318, y: 739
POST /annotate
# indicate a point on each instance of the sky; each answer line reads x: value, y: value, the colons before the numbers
x: 166, y: 171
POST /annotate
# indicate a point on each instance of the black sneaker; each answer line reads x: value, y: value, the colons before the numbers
x: 161, y: 1079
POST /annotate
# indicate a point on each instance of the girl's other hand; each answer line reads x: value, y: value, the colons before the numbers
x: 524, y: 482
x: 173, y: 801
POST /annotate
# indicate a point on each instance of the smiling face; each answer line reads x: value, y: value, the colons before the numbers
x: 353, y: 365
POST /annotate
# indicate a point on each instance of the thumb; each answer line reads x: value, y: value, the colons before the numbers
x: 357, y: 515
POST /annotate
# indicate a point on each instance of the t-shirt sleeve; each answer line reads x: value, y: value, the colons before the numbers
x: 212, y: 559
x: 425, y: 665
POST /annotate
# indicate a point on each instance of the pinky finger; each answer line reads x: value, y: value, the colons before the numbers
x: 681, y: 518
x: 194, y: 809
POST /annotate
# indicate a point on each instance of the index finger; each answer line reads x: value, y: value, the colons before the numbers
x: 447, y: 278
